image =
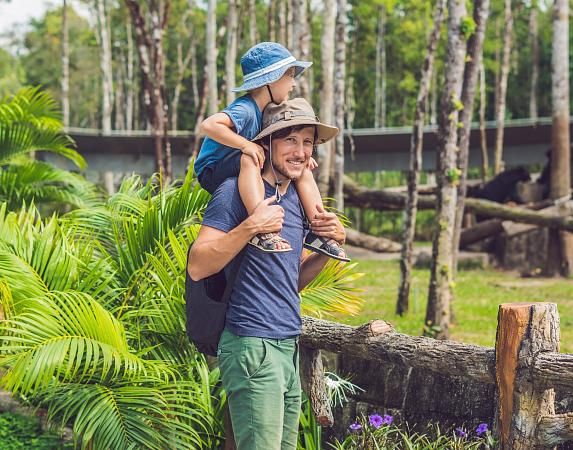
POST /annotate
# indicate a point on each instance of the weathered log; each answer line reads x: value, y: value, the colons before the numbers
x: 480, y: 231
x: 524, y: 330
x: 313, y: 383
x: 556, y: 429
x: 374, y: 243
x: 377, y: 341
x: 383, y: 200
x: 554, y: 370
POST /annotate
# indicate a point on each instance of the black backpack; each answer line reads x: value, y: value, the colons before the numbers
x: 206, y: 303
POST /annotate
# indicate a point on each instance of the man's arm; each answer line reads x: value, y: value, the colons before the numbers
x: 214, y: 249
x: 328, y: 225
x: 220, y: 128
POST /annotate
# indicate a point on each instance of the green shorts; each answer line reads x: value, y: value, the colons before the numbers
x: 261, y: 377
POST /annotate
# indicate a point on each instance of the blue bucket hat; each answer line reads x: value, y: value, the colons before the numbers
x: 266, y: 63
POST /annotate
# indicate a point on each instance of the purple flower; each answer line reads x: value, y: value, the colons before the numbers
x: 481, y: 429
x: 460, y: 432
x: 376, y: 420
x: 387, y: 419
x: 355, y: 426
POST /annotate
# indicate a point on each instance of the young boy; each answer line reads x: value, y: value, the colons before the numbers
x: 269, y: 72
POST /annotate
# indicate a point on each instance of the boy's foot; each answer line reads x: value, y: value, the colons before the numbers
x: 326, y: 246
x: 270, y: 243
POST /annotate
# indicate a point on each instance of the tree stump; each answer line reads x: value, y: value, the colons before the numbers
x: 524, y: 330
x: 313, y: 383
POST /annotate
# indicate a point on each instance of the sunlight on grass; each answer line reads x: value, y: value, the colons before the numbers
x: 478, y: 294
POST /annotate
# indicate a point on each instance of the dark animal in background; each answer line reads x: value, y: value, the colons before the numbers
x: 502, y: 187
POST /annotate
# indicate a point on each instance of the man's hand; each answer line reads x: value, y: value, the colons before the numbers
x: 267, y: 218
x: 255, y: 151
x: 328, y: 225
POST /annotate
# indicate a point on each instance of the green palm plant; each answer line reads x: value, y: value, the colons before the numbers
x: 95, y: 318
x: 30, y: 122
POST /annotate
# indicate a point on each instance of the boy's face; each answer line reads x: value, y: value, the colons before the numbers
x: 282, y: 88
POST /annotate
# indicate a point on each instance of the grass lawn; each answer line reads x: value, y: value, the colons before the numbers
x: 478, y: 293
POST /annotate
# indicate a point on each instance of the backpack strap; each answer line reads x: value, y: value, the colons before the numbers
x: 234, y: 270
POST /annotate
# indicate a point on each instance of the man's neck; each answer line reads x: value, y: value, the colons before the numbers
x: 269, y: 177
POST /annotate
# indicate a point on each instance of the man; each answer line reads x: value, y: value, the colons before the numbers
x: 258, y: 351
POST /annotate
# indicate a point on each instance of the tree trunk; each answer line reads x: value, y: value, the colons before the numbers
x: 560, y: 244
x: 339, y: 79
x: 231, y: 55
x: 534, y: 40
x: 200, y: 116
x: 440, y: 290
x: 301, y: 42
x: 313, y: 383
x: 65, y: 67
x: 380, y: 81
x: 416, y: 144
x: 271, y: 20
x: 252, y: 11
x: 120, y: 93
x: 434, y: 98
x: 283, y: 22
x: 130, y: 81
x: 290, y: 23
x: 211, y: 57
x: 482, y: 132
x: 474, y: 57
x: 150, y: 49
x: 326, y: 93
x: 502, y: 88
x: 373, y: 243
x: 105, y: 65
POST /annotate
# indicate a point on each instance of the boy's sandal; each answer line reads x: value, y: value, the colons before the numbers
x: 267, y: 243
x: 326, y: 246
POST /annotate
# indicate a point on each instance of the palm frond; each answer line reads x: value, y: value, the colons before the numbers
x: 68, y: 337
x: 29, y: 122
x: 30, y: 180
x: 332, y: 291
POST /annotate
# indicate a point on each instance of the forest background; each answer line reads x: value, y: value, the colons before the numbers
x: 386, y: 46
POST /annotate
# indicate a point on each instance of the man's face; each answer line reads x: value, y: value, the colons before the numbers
x: 291, y: 153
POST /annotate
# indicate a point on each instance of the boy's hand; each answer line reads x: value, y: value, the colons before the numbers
x: 255, y: 151
x: 328, y: 225
x: 312, y: 164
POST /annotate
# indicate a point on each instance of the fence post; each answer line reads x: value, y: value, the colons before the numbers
x: 523, y: 331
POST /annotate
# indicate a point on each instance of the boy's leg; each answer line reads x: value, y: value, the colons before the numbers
x: 252, y: 378
x: 310, y: 197
x: 252, y: 192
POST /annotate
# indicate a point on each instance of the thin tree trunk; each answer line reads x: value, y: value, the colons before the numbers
x: 482, y: 132
x: 149, y: 45
x: 301, y: 43
x: 211, y: 57
x: 283, y: 22
x: 119, y: 94
x: 339, y: 79
x: 560, y: 243
x: 416, y: 144
x: 65, y: 67
x: 325, y: 151
x: 502, y: 87
x: 253, y: 35
x: 271, y: 20
x: 231, y: 55
x: 105, y: 65
x: 474, y: 58
x: 200, y: 116
x: 130, y: 82
x: 434, y: 98
x: 194, y: 75
x: 440, y: 290
x: 380, y: 82
x: 290, y: 24
x: 182, y: 64
x: 534, y: 40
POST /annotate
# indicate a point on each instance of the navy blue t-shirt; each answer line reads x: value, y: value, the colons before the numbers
x: 264, y: 301
x: 247, y: 119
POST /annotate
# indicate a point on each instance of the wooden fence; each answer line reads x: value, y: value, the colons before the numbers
x: 525, y: 366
